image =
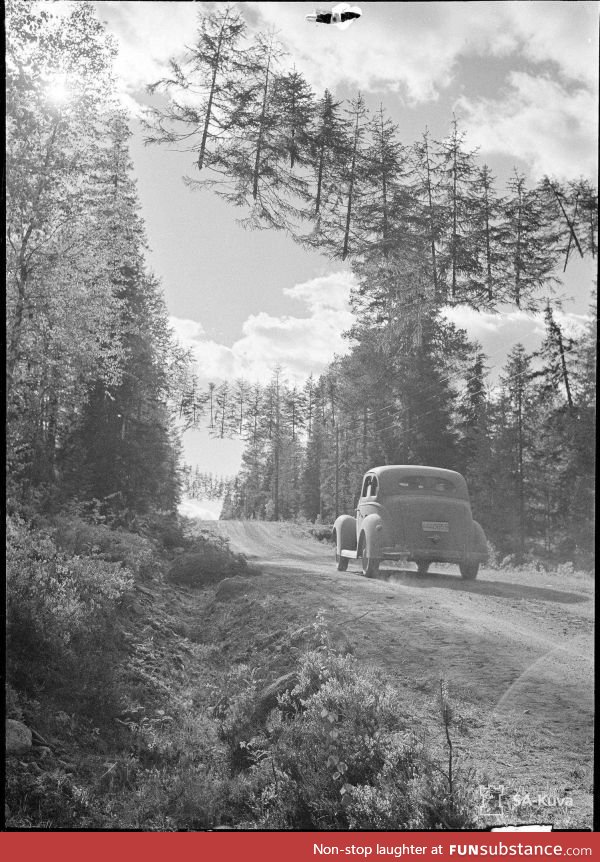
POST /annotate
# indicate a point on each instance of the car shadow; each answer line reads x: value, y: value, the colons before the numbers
x: 501, y: 589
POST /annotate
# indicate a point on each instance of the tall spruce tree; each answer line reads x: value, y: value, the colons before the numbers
x: 327, y: 145
x: 530, y: 244
x: 385, y: 204
x: 489, y: 235
x: 200, y: 89
x: 430, y: 219
x: 457, y: 260
x: 519, y: 399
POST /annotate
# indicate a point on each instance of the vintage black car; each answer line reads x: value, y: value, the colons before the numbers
x: 411, y: 513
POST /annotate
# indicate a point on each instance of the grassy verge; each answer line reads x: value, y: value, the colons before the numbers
x: 159, y: 700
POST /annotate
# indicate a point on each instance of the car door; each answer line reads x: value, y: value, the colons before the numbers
x: 363, y: 501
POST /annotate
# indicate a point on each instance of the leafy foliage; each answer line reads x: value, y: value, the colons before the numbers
x: 209, y: 560
x: 60, y: 616
x: 94, y: 376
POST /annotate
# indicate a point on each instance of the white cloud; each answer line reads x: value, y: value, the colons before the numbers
x: 572, y: 324
x: 564, y: 33
x: 413, y: 49
x: 300, y: 344
x: 546, y: 114
x: 369, y: 56
x: 498, y: 333
x: 148, y: 34
x: 536, y: 119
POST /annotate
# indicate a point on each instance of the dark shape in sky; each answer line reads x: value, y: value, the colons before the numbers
x: 341, y: 15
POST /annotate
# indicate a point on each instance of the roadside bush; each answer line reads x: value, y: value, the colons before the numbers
x: 322, y: 533
x: 209, y: 560
x: 76, y: 536
x: 167, y: 530
x: 339, y: 752
x: 60, y: 620
x: 50, y: 800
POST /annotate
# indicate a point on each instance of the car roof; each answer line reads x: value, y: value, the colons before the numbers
x: 390, y: 473
x: 415, y: 470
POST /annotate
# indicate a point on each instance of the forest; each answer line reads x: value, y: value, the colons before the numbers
x: 107, y: 666
x: 424, y: 227
x: 99, y: 392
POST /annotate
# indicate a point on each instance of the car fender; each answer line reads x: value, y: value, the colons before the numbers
x: 479, y: 543
x: 373, y: 531
x: 344, y: 531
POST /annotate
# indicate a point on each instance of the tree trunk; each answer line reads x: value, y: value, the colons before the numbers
x: 431, y: 223
x: 563, y: 363
x: 351, y: 190
x: 259, y: 141
x: 520, y: 478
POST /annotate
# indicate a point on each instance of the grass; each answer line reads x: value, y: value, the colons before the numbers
x: 188, y: 742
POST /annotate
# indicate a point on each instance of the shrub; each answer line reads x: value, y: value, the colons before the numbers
x: 47, y: 800
x: 208, y: 561
x: 77, y: 536
x: 339, y: 752
x: 60, y: 620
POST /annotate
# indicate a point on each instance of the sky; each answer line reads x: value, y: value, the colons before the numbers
x: 521, y: 78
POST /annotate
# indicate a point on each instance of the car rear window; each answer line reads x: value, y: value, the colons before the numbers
x: 424, y: 483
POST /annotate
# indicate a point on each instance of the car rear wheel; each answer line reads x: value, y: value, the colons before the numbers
x: 341, y: 562
x: 423, y: 567
x: 370, y: 565
x: 469, y: 570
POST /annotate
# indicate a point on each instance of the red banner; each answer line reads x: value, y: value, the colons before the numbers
x: 293, y: 846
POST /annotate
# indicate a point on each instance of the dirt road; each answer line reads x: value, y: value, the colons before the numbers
x: 515, y: 647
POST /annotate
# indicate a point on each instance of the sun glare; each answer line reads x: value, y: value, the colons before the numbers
x: 57, y: 89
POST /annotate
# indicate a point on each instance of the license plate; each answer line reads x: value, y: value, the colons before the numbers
x: 435, y: 526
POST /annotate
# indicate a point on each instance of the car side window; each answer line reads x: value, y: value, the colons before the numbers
x: 373, y: 486
x: 366, y: 486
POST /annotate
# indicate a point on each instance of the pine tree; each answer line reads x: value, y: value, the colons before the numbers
x: 327, y: 145
x: 200, y: 88
x: 518, y: 393
x: 254, y: 160
x: 312, y: 504
x: 124, y: 446
x: 530, y: 244
x: 431, y: 217
x: 357, y: 114
x: 293, y: 103
x: 458, y: 260
x: 225, y: 417
x: 488, y: 236
x: 385, y: 201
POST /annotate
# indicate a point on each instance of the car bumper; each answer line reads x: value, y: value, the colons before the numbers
x: 431, y: 556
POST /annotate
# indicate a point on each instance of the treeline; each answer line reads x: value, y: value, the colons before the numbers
x: 337, y: 177
x: 94, y: 377
x: 198, y: 484
x: 423, y: 226
x: 525, y: 444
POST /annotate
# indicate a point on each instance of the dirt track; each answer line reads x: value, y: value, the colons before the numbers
x: 517, y: 647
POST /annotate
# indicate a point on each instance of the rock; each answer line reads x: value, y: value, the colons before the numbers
x: 18, y: 737
x: 229, y: 588
x: 305, y: 638
x: 43, y: 752
x: 267, y: 699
